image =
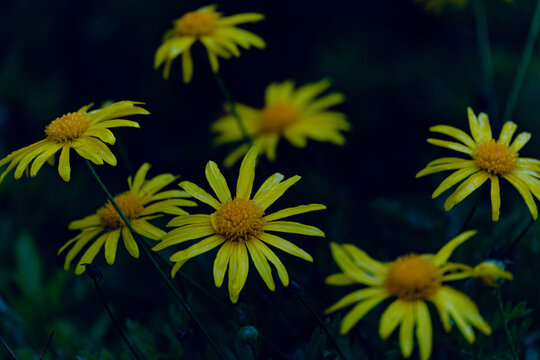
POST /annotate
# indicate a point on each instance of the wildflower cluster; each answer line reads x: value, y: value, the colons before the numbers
x: 241, y: 228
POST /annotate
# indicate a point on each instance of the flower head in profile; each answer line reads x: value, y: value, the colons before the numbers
x: 489, y: 159
x: 488, y: 272
x: 295, y: 114
x: 84, y: 131
x: 240, y: 226
x: 216, y: 32
x: 410, y: 281
x: 142, y: 202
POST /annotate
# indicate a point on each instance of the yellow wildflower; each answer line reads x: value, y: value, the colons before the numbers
x: 293, y: 114
x: 488, y: 272
x: 84, y: 131
x: 490, y: 159
x: 217, y: 33
x: 240, y: 225
x: 410, y: 280
x: 143, y: 201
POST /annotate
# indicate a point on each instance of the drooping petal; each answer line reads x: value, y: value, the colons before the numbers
x: 111, y: 244
x: 359, y: 311
x: 495, y: 197
x: 64, y: 169
x: 392, y: 317
x: 424, y: 332
x: 261, y: 264
x: 453, y: 179
x: 465, y: 189
x: 221, y: 262
x: 524, y: 192
x: 354, y: 297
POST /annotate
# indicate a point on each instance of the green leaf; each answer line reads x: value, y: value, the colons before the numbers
x: 29, y: 269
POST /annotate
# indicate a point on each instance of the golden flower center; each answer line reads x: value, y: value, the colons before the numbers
x: 238, y: 219
x: 412, y: 278
x: 196, y: 23
x: 278, y: 116
x: 67, y: 128
x: 130, y: 205
x: 494, y: 158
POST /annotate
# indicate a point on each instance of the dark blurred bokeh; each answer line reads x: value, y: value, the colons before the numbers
x: 402, y: 70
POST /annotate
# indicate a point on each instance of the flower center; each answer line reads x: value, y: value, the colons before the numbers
x: 412, y: 278
x: 495, y: 158
x: 196, y: 23
x: 238, y: 219
x: 68, y: 127
x: 130, y: 205
x: 278, y: 116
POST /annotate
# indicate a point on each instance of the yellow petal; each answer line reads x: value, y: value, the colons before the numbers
x: 217, y: 182
x: 446, y: 251
x: 294, y: 211
x: 293, y: 227
x: 247, y: 174
x: 495, y: 197
x: 111, y: 244
x: 63, y: 164
x: 465, y: 189
x: 284, y: 245
x: 262, y: 266
x: 424, y: 332
x: 392, y: 317
x: 221, y: 262
x: 200, y: 194
x: 358, y: 312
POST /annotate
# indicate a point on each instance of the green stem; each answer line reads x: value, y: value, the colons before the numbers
x: 147, y: 252
x: 486, y: 57
x: 232, y: 106
x: 523, y: 64
x: 47, y: 346
x: 323, y: 326
x: 6, y: 346
x: 115, y: 321
x: 505, y: 324
x: 518, y: 239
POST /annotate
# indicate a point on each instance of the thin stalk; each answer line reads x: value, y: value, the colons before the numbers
x: 47, y: 346
x: 323, y: 326
x: 523, y: 65
x: 149, y: 255
x: 6, y: 346
x: 505, y: 324
x: 518, y: 239
x: 471, y: 213
x: 114, y: 321
x: 232, y: 106
x: 482, y: 36
x: 199, y: 287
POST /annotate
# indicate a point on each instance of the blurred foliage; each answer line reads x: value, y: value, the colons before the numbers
x: 402, y: 69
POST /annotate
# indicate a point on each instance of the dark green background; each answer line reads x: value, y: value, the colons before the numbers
x: 402, y: 70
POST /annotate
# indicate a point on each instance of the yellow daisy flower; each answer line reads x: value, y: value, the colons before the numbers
x: 294, y: 114
x: 85, y: 131
x: 142, y: 202
x: 410, y: 280
x: 490, y: 159
x: 240, y: 225
x: 217, y: 33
